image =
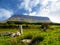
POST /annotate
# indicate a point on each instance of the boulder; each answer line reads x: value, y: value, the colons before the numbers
x: 18, y: 33
x: 5, y: 34
x: 13, y: 35
x: 26, y: 40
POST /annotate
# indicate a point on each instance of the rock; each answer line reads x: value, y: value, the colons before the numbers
x: 18, y: 33
x: 13, y: 35
x: 5, y: 34
x: 26, y: 40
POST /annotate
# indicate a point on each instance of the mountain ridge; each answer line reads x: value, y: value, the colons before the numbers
x: 29, y: 19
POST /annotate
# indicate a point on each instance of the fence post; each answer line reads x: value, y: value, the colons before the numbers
x: 21, y: 29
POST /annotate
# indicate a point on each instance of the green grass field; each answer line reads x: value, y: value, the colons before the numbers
x: 39, y: 37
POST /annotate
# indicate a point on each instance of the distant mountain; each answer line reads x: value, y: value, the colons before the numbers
x: 28, y: 19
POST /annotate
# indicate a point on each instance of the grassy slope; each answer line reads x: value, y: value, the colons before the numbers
x: 51, y: 36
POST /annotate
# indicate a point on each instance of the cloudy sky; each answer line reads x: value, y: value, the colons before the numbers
x: 45, y: 8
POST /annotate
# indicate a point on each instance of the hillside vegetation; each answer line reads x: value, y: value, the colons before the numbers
x: 34, y: 32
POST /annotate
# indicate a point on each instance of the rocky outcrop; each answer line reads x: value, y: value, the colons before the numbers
x: 11, y: 34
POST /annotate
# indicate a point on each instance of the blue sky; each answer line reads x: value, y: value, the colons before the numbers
x: 45, y: 8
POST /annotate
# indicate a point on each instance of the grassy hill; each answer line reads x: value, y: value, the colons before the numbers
x: 39, y: 37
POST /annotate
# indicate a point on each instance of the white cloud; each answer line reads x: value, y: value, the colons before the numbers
x: 28, y: 4
x: 5, y: 14
x: 48, y: 8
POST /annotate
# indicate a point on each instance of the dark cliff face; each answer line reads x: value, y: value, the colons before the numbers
x: 30, y: 19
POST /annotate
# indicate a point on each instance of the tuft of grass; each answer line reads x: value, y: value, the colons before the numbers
x: 36, y: 40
